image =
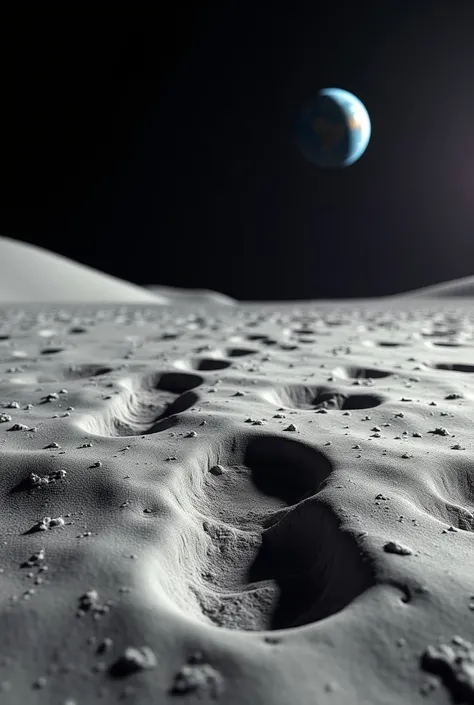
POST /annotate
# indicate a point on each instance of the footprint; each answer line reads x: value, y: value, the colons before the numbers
x: 277, y: 557
x: 145, y: 405
x: 300, y: 396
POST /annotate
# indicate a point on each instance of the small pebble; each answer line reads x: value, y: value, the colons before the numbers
x: 398, y: 548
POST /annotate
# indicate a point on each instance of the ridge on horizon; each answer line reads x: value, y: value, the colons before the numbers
x: 29, y: 273
x: 32, y: 274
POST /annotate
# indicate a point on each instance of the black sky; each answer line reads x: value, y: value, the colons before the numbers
x: 158, y: 147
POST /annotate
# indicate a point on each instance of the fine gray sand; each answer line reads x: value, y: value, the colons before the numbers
x: 244, y: 504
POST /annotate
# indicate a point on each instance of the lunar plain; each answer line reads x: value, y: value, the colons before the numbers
x: 212, y: 501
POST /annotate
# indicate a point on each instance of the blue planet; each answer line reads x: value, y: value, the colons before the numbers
x: 333, y: 129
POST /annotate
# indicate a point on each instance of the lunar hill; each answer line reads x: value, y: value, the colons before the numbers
x: 457, y: 287
x: 31, y: 274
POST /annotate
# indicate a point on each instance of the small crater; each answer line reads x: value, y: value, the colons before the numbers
x: 85, y: 371
x: 360, y: 373
x: 208, y: 364
x: 269, y: 342
x: 175, y: 382
x: 447, y: 345
x: 362, y: 401
x: 454, y: 367
x: 270, y: 459
x: 440, y: 333
x: 254, y: 337
x: 51, y: 351
x: 389, y: 344
x: 303, y: 331
x: 239, y: 352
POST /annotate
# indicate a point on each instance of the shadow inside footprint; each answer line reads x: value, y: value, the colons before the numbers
x: 317, y: 566
x: 176, y: 382
x: 278, y: 557
x: 286, y: 469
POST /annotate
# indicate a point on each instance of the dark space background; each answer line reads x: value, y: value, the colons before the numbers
x: 157, y: 146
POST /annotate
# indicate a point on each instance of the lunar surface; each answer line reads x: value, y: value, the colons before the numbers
x: 207, y: 501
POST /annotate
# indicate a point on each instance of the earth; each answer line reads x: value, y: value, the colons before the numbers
x: 333, y: 129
